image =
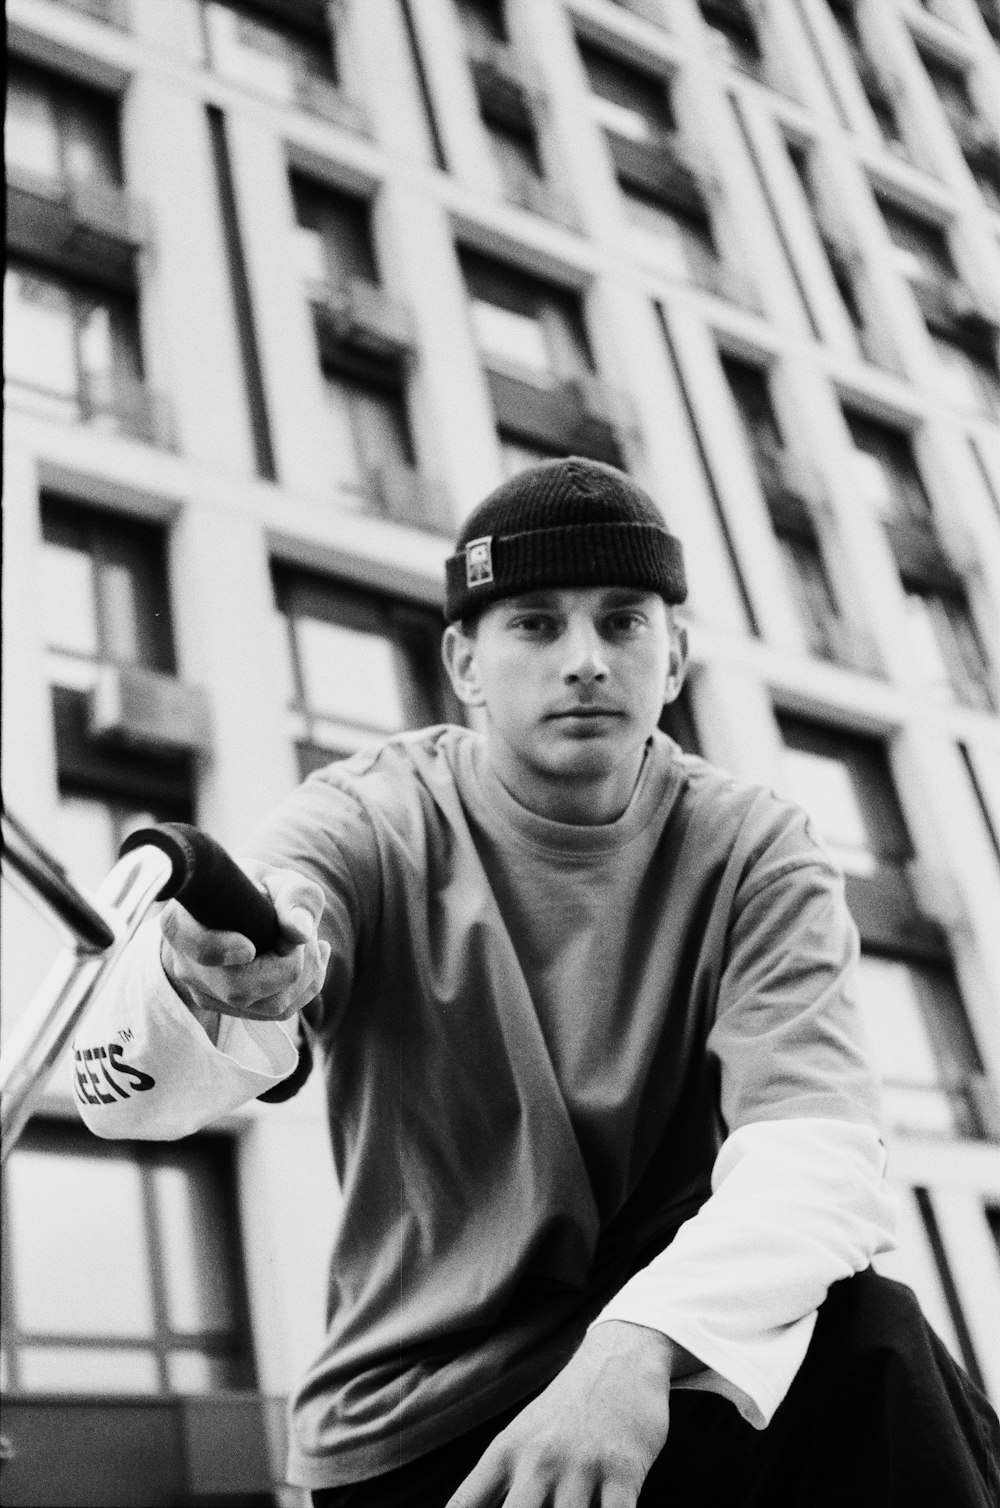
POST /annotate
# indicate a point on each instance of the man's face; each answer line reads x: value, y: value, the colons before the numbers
x: 572, y: 681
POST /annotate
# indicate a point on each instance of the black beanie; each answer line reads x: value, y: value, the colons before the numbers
x: 572, y: 522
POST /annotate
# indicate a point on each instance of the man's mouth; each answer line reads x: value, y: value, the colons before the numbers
x: 586, y: 712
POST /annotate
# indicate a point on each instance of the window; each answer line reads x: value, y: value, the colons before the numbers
x: 922, y: 1045
x: 885, y: 472
x: 103, y: 590
x: 360, y: 666
x: 733, y: 34
x: 483, y: 21
x: 660, y: 189
x: 370, y: 429
x: 515, y: 152
x: 525, y: 324
x: 801, y: 557
x: 72, y: 352
x: 104, y: 600
x: 970, y: 375
x: 921, y: 245
x: 61, y: 130
x: 913, y: 1014
x: 122, y: 1270
x: 951, y: 84
x: 879, y: 99
x: 534, y: 346
x: 627, y: 100
x: 946, y: 646
x: 333, y: 233
x: 272, y: 47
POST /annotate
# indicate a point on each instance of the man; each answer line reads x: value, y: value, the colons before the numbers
x: 604, y: 1121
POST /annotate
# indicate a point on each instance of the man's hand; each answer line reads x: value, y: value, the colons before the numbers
x: 219, y: 972
x: 592, y: 1436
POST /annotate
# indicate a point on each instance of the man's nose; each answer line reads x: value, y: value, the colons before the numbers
x: 584, y: 661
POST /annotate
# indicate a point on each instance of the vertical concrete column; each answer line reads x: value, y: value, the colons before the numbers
x: 28, y: 740
x: 442, y: 48
x: 191, y: 344
x: 451, y: 401
x: 227, y: 641
x: 735, y: 720
x: 391, y: 89
x: 289, y: 1204
x: 300, y: 430
x: 964, y: 522
x: 963, y: 881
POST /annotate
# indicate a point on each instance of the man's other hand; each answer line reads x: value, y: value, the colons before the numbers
x: 220, y: 971
x: 592, y: 1436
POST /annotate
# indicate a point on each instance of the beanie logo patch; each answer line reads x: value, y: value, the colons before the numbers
x: 479, y: 561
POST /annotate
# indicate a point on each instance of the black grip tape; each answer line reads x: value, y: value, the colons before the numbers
x: 209, y: 884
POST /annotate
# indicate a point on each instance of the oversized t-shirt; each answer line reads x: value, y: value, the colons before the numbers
x: 535, y: 1038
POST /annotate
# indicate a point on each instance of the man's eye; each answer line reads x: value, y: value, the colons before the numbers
x: 533, y: 623
x: 624, y: 623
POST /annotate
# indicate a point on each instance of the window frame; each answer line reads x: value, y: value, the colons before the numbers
x: 232, y: 1345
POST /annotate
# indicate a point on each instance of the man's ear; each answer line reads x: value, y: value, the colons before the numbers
x: 678, y: 663
x: 458, y: 652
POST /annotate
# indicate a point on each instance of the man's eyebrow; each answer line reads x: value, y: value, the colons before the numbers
x: 539, y: 598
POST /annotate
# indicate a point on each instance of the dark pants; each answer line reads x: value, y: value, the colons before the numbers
x: 878, y: 1414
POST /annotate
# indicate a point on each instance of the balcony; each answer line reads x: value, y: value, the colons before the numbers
x: 578, y: 414
x: 665, y: 168
x: 952, y: 309
x: 88, y: 228
x: 405, y: 496
x: 506, y: 85
x: 362, y: 318
x: 156, y: 1451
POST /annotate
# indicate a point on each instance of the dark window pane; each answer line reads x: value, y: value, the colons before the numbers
x: 61, y: 129
x: 886, y: 472
x: 483, y: 21
x: 104, y: 586
x: 641, y: 99
x: 843, y: 781
x: 362, y: 666
x: 923, y: 244
x: 334, y: 232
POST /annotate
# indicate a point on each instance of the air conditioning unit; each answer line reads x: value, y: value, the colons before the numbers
x: 365, y: 317
x: 145, y: 710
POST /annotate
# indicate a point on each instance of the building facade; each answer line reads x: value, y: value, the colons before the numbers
x: 290, y: 286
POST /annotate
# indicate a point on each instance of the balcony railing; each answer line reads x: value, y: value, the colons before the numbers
x: 665, y: 167
x: 86, y: 227
x: 363, y: 317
